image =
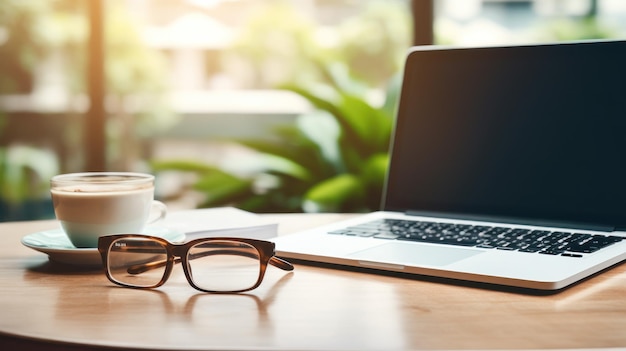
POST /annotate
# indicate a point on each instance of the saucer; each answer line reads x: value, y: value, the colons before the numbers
x: 59, y: 248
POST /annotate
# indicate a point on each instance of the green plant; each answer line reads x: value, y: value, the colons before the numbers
x: 25, y: 171
x: 331, y: 160
x: 24, y: 175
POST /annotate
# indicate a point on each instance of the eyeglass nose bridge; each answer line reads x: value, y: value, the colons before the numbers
x: 178, y: 251
x: 178, y: 254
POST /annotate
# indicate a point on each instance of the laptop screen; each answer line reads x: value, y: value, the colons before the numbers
x: 528, y: 133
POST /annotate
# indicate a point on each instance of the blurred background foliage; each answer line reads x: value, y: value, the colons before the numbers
x: 332, y: 158
x: 34, y: 33
x: 21, y: 53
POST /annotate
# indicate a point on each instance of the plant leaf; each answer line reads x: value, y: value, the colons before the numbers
x: 222, y: 188
x: 335, y: 194
x: 277, y: 164
x: 182, y: 165
x: 375, y: 169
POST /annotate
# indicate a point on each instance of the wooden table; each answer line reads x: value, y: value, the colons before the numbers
x: 52, y: 306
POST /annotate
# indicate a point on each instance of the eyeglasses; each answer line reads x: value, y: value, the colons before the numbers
x: 220, y: 265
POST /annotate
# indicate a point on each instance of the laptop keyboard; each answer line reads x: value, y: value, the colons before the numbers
x: 491, y: 237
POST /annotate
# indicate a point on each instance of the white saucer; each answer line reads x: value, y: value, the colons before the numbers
x: 59, y: 248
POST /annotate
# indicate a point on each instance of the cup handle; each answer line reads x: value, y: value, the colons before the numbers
x: 157, y: 212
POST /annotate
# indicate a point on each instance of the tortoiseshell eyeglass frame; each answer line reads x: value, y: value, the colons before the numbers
x: 179, y: 253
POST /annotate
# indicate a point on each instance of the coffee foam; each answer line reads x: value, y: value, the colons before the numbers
x: 100, y: 189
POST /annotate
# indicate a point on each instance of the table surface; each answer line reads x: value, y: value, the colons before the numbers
x: 54, y: 306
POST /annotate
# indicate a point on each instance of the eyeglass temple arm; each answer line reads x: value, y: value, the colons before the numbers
x: 144, y: 267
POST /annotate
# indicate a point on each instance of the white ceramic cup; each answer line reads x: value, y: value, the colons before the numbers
x: 93, y: 204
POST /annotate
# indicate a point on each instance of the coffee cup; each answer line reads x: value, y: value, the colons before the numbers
x: 92, y: 204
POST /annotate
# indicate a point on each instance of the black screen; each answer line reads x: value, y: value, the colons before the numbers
x: 528, y: 132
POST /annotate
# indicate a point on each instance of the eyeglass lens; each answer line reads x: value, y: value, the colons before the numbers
x: 213, y: 265
x: 128, y: 253
x: 224, y: 265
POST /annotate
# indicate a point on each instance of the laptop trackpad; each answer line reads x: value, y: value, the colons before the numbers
x: 417, y: 255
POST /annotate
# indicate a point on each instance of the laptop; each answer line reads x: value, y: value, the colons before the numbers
x: 507, y: 167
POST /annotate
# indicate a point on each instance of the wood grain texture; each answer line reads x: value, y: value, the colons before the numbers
x: 45, y: 305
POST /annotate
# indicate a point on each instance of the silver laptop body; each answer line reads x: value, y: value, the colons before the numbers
x: 531, y: 138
